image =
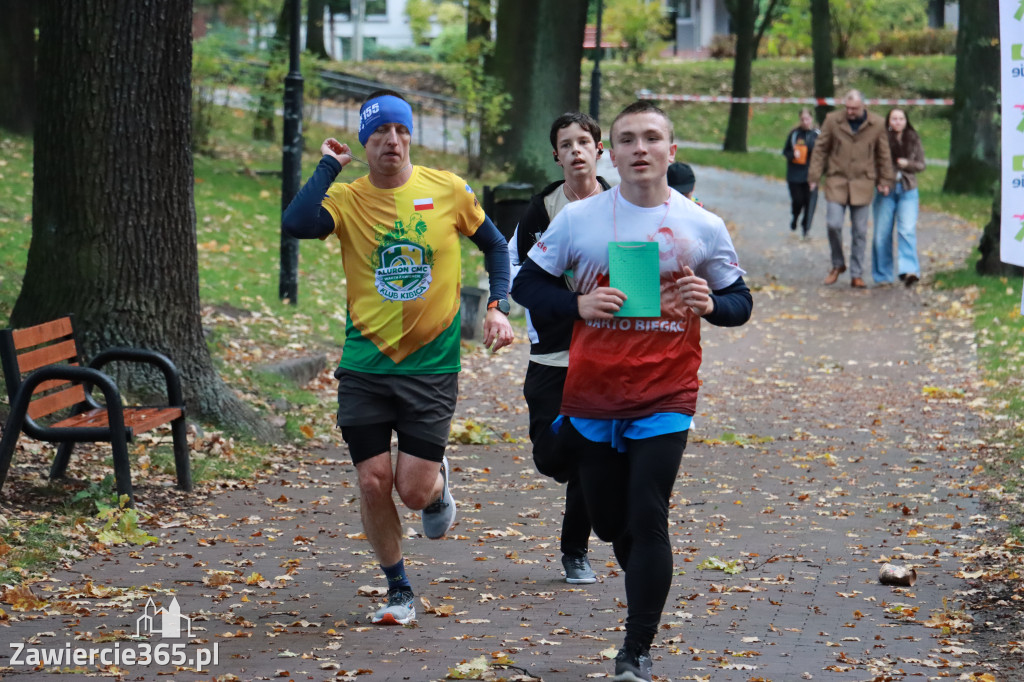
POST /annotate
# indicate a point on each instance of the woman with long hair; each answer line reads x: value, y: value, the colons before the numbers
x: 899, y: 209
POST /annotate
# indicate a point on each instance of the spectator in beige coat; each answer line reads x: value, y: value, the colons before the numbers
x: 853, y: 154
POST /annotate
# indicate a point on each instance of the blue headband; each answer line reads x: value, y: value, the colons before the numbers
x: 381, y: 110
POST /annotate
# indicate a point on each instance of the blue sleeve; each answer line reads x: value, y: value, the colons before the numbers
x: 733, y: 305
x: 489, y: 240
x: 305, y: 217
x: 544, y: 294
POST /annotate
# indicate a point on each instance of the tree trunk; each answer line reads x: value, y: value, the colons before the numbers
x: 478, y: 20
x: 263, y: 128
x: 17, y: 65
x: 478, y: 40
x: 821, y: 47
x: 744, y: 15
x: 975, y: 130
x: 537, y: 56
x: 113, y: 226
x: 990, y: 263
x: 315, y: 29
x: 766, y: 21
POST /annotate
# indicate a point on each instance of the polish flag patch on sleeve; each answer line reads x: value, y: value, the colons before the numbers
x: 423, y: 204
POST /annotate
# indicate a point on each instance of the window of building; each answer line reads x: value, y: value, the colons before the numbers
x: 376, y: 10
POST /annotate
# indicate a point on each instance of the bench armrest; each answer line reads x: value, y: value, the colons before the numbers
x: 150, y: 357
x: 85, y: 375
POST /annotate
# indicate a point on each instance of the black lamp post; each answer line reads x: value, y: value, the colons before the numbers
x: 595, y: 76
x: 291, y: 164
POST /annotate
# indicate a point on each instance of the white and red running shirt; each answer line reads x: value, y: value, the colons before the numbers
x: 631, y: 367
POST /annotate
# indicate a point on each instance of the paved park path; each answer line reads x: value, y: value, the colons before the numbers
x: 833, y: 435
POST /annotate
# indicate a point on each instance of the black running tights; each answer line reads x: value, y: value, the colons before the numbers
x: 627, y: 496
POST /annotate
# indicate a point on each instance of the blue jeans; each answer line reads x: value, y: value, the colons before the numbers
x: 899, y: 208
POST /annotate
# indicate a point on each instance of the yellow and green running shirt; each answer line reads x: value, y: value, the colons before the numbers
x: 402, y: 258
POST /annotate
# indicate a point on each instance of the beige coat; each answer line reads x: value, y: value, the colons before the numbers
x: 853, y: 164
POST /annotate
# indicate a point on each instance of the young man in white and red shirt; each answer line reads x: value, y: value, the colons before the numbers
x: 631, y: 390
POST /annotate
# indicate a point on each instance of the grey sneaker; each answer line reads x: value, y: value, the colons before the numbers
x: 578, y: 570
x: 439, y: 515
x: 632, y: 665
x: 400, y: 609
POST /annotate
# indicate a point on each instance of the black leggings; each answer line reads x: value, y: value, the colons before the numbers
x: 543, y: 392
x: 800, y: 199
x: 627, y: 496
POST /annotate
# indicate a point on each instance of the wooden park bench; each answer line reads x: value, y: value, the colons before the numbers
x: 43, y: 375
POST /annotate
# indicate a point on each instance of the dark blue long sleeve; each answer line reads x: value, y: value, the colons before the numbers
x: 733, y: 305
x: 543, y: 293
x: 305, y: 217
x: 495, y: 249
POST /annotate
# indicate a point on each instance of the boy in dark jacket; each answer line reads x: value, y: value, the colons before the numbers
x: 576, y: 145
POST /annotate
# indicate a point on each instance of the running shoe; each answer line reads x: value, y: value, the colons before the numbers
x: 578, y: 570
x: 439, y: 515
x: 400, y: 609
x: 632, y: 665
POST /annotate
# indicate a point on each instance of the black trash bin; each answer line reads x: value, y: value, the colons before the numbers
x: 506, y: 203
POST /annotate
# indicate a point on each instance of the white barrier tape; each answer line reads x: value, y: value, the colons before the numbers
x: 817, y: 101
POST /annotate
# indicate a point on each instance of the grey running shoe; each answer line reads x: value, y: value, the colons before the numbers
x: 632, y: 665
x: 439, y: 515
x: 577, y: 570
x: 400, y: 609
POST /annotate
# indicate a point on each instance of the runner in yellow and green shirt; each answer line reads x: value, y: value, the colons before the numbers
x: 399, y: 228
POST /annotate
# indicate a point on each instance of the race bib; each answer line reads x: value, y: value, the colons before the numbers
x: 800, y: 153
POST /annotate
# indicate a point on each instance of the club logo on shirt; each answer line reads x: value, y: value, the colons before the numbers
x: 403, y: 262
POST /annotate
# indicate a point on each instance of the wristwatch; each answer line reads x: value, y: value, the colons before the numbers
x: 501, y: 304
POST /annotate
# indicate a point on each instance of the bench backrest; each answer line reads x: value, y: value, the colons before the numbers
x: 25, y: 350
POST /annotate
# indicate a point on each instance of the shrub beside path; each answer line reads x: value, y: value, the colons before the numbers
x: 834, y: 434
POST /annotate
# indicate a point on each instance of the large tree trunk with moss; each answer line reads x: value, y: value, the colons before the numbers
x: 537, y: 56
x: 821, y: 48
x: 315, y: 29
x: 975, y: 130
x: 17, y: 65
x: 113, y: 224
x: 744, y: 16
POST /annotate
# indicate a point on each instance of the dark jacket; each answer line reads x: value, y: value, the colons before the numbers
x: 797, y: 172
x: 554, y: 333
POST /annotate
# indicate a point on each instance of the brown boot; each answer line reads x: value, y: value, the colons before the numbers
x: 833, y: 274
x: 858, y: 283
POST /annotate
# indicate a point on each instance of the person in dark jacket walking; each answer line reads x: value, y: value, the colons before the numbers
x: 797, y: 150
x: 576, y: 145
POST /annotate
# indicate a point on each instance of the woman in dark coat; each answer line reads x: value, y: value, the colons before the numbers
x: 799, y: 145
